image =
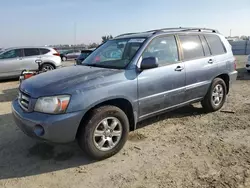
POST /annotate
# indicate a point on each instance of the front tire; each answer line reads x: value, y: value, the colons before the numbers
x: 216, y: 96
x: 248, y: 71
x: 104, y: 133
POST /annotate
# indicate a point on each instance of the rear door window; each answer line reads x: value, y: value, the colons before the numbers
x: 191, y: 46
x: 31, y: 52
x: 44, y: 51
x: 215, y: 44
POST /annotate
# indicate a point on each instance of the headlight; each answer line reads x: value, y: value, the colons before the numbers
x: 52, y: 105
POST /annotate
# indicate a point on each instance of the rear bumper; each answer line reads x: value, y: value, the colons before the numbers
x: 248, y: 66
x: 232, y: 77
x: 57, y: 128
x: 57, y: 61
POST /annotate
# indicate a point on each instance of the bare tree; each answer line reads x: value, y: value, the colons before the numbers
x: 93, y: 45
x: 243, y: 37
x: 105, y: 38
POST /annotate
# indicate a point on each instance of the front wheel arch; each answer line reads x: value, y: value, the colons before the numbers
x: 124, y: 104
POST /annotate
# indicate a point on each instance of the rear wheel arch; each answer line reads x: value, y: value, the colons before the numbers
x: 216, y: 95
x: 226, y: 79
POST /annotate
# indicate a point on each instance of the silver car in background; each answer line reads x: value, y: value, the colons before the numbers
x: 14, y: 60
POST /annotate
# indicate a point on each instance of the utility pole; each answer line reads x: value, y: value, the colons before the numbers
x: 230, y: 32
x: 74, y: 35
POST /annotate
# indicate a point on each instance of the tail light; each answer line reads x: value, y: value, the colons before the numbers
x: 57, y: 53
x: 235, y: 64
x: 26, y: 76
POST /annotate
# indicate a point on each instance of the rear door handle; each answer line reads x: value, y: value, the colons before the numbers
x: 179, y: 68
x: 210, y: 61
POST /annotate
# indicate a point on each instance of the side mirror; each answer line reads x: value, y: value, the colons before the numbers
x: 149, y: 63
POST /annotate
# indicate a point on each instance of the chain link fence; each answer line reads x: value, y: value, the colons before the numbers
x: 241, y: 47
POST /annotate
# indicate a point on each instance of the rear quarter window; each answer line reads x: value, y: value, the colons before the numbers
x: 215, y: 44
x: 44, y: 51
x: 191, y: 46
x: 205, y: 46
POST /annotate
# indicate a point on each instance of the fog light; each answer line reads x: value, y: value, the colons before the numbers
x: 39, y: 130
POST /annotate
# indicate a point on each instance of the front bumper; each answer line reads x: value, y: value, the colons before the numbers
x: 60, y: 128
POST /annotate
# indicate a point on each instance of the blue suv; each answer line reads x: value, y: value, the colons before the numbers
x: 124, y: 81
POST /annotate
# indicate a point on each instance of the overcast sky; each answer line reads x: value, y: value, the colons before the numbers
x: 40, y: 22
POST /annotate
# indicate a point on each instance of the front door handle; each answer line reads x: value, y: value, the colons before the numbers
x: 179, y: 68
x: 210, y: 61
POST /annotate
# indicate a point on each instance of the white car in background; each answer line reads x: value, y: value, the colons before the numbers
x: 248, y: 64
x: 14, y: 60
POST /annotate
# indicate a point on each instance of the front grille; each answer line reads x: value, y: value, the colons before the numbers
x: 23, y: 100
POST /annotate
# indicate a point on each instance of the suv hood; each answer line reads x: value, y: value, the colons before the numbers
x: 67, y: 80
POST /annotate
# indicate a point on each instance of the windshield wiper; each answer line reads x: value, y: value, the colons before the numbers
x: 102, y: 66
x: 91, y: 65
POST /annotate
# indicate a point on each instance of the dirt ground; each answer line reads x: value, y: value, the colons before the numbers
x: 184, y: 148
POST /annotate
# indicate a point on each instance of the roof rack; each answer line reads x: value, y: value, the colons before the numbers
x: 126, y: 34
x: 174, y: 29
x: 184, y: 29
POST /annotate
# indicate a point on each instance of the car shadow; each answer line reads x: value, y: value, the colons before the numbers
x: 8, y: 95
x: 185, y: 111
x: 243, y: 74
x: 9, y: 80
x: 21, y: 156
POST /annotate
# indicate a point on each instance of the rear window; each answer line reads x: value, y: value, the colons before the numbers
x: 31, y: 51
x: 191, y: 46
x: 84, y: 54
x: 44, y: 51
x: 215, y: 44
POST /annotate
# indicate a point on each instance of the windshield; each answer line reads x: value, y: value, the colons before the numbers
x: 115, y: 53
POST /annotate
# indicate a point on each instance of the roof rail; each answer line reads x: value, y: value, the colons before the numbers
x: 184, y: 29
x: 126, y: 34
x: 174, y: 29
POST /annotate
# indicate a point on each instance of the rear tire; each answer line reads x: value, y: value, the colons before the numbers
x: 248, y: 71
x: 96, y: 137
x: 47, y: 67
x: 64, y: 59
x: 216, y: 96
